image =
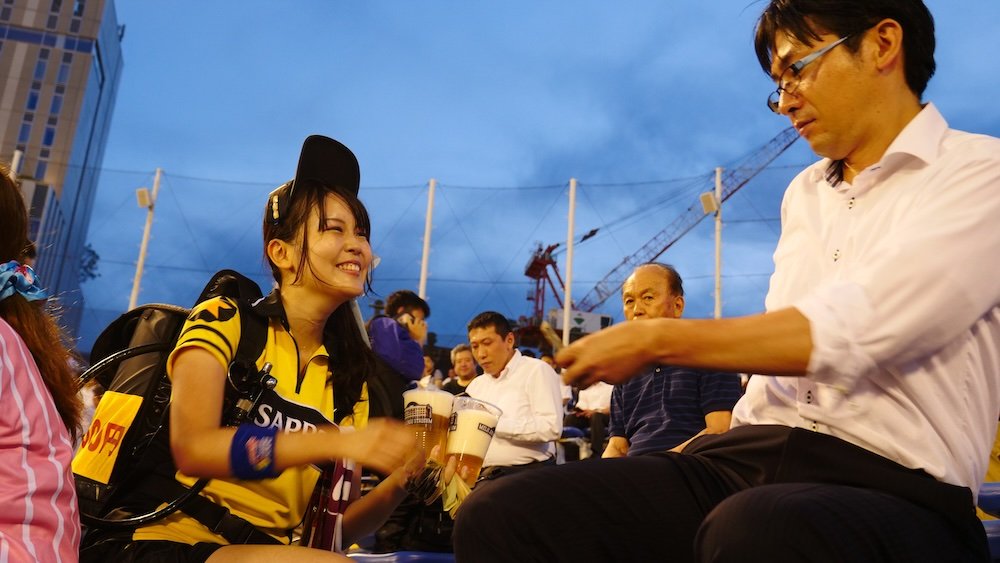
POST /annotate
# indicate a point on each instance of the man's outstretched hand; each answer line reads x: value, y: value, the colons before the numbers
x: 613, y: 355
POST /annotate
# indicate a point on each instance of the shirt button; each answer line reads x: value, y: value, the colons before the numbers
x: 850, y: 203
x: 836, y: 255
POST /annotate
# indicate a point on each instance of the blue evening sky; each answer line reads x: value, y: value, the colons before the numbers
x: 502, y: 103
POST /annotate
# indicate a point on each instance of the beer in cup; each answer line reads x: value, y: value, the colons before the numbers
x: 472, y: 425
x: 427, y: 412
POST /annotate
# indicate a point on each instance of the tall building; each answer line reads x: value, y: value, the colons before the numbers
x: 61, y: 62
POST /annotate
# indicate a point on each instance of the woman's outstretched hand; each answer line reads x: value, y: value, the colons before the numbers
x: 385, y: 445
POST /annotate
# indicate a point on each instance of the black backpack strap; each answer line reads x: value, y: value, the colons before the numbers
x: 220, y: 520
x: 253, y: 326
x: 253, y: 336
x: 215, y: 517
x: 231, y: 284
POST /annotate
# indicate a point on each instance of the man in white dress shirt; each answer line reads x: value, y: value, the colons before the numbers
x: 869, y: 435
x: 525, y: 389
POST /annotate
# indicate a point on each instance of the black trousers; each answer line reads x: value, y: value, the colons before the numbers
x: 757, y: 493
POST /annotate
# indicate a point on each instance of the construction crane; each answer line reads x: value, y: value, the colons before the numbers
x: 538, y: 268
x: 733, y: 179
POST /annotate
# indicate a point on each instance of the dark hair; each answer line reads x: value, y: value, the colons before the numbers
x: 674, y: 281
x: 805, y: 19
x: 491, y: 319
x: 352, y: 361
x: 404, y: 301
x: 35, y: 321
x: 31, y: 251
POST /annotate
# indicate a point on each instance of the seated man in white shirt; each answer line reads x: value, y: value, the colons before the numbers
x: 866, y: 430
x: 525, y: 389
x: 592, y: 411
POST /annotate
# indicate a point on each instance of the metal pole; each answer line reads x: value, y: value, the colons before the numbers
x: 15, y: 163
x: 718, y: 243
x: 360, y: 320
x: 568, y: 289
x: 133, y: 300
x: 422, y: 291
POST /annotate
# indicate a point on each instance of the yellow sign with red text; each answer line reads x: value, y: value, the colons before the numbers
x: 100, y: 445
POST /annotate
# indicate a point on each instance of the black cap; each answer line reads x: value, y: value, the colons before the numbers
x: 324, y: 162
x: 328, y: 163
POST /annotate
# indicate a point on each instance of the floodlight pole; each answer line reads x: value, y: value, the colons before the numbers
x: 718, y: 242
x: 15, y: 162
x: 568, y: 288
x: 422, y: 291
x: 134, y: 298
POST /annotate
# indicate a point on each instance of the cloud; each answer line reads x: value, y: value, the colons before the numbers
x: 514, y: 95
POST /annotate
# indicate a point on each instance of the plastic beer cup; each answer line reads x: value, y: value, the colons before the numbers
x: 427, y: 413
x: 473, y: 423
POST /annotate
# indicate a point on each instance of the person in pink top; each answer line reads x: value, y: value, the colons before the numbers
x: 39, y: 408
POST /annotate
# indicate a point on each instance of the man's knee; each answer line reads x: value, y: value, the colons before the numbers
x: 486, y: 516
x: 773, y: 522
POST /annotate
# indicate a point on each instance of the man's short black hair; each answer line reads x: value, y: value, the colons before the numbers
x: 491, y: 319
x: 805, y: 19
x: 404, y: 301
x: 674, y: 281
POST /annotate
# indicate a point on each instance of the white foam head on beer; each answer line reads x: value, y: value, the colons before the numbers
x: 471, y: 432
x: 439, y: 401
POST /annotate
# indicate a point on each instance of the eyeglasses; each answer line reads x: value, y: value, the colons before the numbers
x: 789, y: 84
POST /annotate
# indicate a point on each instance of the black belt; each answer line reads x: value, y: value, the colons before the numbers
x: 495, y: 471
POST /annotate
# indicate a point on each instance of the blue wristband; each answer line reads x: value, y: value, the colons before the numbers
x: 251, y: 454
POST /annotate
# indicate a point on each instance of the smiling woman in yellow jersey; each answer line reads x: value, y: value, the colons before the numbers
x: 266, y: 471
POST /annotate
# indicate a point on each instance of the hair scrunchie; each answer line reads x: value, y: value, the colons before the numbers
x: 20, y: 278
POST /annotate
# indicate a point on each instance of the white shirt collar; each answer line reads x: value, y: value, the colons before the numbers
x: 921, y: 139
x: 510, y: 364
